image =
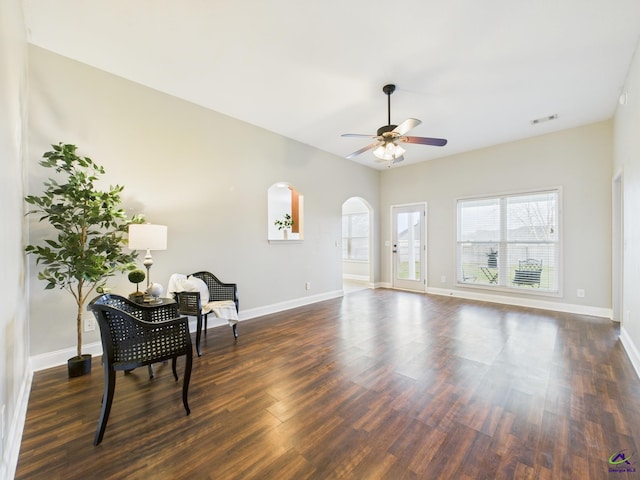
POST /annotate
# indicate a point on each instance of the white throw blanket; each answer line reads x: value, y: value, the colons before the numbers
x: 221, y: 309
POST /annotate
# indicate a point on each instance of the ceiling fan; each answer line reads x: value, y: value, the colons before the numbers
x: 389, y: 137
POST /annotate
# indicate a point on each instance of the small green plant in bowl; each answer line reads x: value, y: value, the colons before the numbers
x: 136, y: 276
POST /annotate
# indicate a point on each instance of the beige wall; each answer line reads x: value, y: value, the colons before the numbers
x: 14, y: 348
x: 627, y: 162
x: 202, y: 174
x: 579, y: 160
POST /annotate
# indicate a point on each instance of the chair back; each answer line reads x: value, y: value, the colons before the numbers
x: 530, y: 264
x: 148, y: 313
x: 128, y: 342
x: 189, y: 303
x: 218, y: 290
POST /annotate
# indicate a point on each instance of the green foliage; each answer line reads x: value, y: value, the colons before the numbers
x: 88, y: 243
x: 136, y: 276
x: 286, y: 223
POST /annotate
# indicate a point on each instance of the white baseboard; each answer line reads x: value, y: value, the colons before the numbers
x: 631, y: 349
x: 297, y: 302
x: 60, y: 357
x: 13, y: 440
x: 355, y: 278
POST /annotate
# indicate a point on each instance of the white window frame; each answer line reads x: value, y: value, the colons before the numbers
x: 504, y: 278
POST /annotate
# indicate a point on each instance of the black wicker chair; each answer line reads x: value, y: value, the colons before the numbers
x: 142, y: 311
x: 219, y: 291
x: 129, y: 342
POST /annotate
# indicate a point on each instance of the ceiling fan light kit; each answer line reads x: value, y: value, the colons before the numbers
x: 386, y: 147
x: 390, y: 151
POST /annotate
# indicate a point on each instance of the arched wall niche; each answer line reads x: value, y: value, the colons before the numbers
x: 285, y: 203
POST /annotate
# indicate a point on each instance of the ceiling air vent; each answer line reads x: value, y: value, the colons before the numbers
x: 544, y: 119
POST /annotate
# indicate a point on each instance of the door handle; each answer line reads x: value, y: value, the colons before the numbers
x: 395, y: 248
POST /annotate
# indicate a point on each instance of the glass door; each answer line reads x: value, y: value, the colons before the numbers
x: 409, y: 250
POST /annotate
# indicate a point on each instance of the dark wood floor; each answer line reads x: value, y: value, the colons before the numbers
x: 377, y: 384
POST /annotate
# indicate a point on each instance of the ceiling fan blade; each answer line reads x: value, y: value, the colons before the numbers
x: 357, y: 135
x: 407, y: 125
x: 436, y: 142
x: 363, y: 149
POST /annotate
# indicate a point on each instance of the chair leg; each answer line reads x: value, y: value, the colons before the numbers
x: 107, y: 400
x: 198, y: 333
x: 235, y: 330
x: 206, y: 323
x: 173, y: 368
x: 185, y: 381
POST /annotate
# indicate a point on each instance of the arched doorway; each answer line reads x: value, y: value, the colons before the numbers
x: 357, y: 264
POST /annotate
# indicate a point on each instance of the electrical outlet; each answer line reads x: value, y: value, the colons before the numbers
x: 307, y: 286
x: 443, y: 279
x: 580, y: 293
x: 89, y: 324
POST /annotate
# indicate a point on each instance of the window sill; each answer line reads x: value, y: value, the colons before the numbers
x: 275, y: 242
x: 503, y: 289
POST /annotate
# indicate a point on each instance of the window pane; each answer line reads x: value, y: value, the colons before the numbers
x: 408, y: 256
x: 360, y: 225
x: 532, y: 218
x: 478, y: 263
x: 533, y: 265
x: 359, y: 249
x: 355, y: 239
x: 479, y: 220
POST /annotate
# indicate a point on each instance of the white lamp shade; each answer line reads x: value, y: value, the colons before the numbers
x: 145, y: 236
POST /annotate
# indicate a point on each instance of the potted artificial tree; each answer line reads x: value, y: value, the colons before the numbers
x: 87, y: 243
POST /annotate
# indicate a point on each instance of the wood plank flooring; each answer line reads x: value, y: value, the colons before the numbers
x: 378, y: 384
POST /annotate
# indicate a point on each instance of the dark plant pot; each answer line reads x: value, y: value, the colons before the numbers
x: 79, y: 366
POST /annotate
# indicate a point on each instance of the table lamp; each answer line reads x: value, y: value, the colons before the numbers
x: 146, y: 236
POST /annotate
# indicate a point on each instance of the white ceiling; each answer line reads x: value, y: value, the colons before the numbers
x: 474, y: 71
